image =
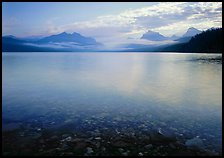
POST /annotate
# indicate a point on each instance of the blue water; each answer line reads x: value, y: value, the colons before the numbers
x: 180, y: 93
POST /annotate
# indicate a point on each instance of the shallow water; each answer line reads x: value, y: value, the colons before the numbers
x: 179, y: 93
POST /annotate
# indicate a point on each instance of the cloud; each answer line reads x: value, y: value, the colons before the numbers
x: 9, y: 24
x: 169, y: 18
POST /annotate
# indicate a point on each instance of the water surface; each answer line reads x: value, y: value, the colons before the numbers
x: 179, y: 93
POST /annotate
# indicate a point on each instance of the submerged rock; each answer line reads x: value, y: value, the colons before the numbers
x: 140, y: 154
x: 98, y: 138
x: 162, y: 137
x: 89, y: 151
x: 68, y: 139
x: 148, y: 146
x: 194, y: 143
x: 125, y: 153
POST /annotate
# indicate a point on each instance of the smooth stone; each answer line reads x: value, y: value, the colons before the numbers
x: 140, y: 154
x: 148, y: 146
x: 98, y: 138
x: 97, y: 144
x: 89, y: 150
x: 103, y: 149
x: 68, y: 139
x: 76, y: 140
x: 120, y: 150
x: 124, y: 153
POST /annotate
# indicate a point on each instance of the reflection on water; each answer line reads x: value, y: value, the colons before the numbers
x: 175, y: 90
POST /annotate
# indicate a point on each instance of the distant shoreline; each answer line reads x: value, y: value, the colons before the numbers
x: 123, y: 52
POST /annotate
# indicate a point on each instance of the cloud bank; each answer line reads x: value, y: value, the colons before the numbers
x: 168, y: 18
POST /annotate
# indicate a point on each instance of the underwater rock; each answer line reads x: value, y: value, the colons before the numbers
x: 148, y: 146
x: 98, y: 138
x: 67, y: 139
x: 140, y: 154
x: 195, y: 142
x: 89, y: 151
x: 125, y: 153
x: 79, y: 144
x: 162, y: 137
x: 120, y: 150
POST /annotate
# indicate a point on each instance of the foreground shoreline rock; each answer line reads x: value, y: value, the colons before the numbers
x: 100, y: 143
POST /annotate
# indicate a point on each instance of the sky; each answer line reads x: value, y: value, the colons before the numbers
x: 108, y: 22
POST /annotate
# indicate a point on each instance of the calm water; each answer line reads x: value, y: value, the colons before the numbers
x: 180, y: 93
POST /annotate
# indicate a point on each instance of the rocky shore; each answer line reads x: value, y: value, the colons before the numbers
x: 92, y: 139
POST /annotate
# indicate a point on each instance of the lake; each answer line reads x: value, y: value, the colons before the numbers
x: 100, y: 103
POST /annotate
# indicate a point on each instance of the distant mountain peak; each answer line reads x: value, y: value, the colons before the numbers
x: 192, y: 28
x: 68, y: 37
x: 191, y: 32
x: 10, y: 36
x: 75, y: 33
x: 153, y: 36
x: 63, y: 33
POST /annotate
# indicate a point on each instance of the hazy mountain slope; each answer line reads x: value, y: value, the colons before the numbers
x: 209, y: 41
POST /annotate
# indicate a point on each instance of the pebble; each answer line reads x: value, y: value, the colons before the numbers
x: 103, y: 149
x: 160, y: 131
x: 124, y: 154
x: 68, y: 139
x: 98, y: 138
x: 148, y: 146
x: 89, y: 150
x: 140, y: 154
x: 121, y: 150
x: 97, y: 144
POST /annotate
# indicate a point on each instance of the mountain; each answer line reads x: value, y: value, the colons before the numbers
x: 187, y: 36
x: 12, y: 39
x: 14, y: 44
x: 209, y: 41
x: 191, y: 32
x: 156, y: 36
x: 183, y: 39
x: 174, y: 37
x: 61, y: 42
x: 76, y: 38
x: 153, y: 36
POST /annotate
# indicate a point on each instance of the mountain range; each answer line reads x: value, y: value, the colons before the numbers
x: 74, y: 42
x: 59, y: 42
x: 76, y: 38
x: 156, y: 36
